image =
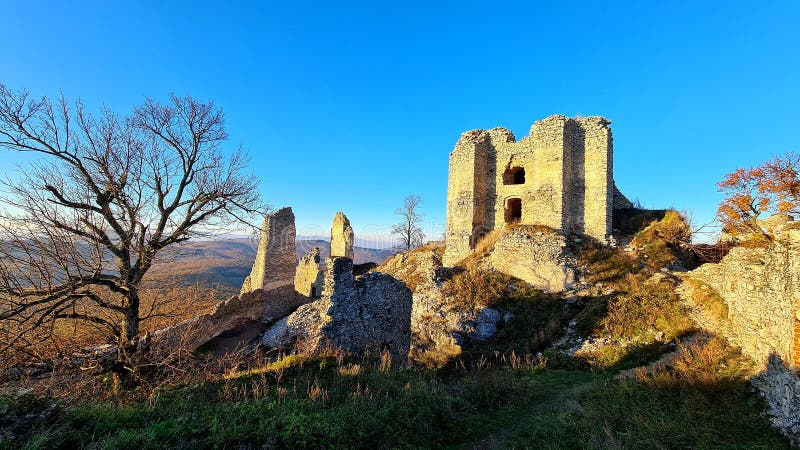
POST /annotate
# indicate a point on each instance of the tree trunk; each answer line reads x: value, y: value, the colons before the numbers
x: 128, y: 341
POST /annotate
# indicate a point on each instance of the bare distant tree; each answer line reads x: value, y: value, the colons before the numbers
x: 409, y: 231
x: 81, y: 226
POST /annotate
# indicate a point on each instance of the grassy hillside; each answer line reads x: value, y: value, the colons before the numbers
x: 512, y: 391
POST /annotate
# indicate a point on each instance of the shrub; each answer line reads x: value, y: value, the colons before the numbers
x: 660, y: 243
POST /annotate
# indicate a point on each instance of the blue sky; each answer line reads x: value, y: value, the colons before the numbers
x: 347, y: 106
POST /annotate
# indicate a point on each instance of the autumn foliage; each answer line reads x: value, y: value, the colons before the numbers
x: 750, y: 194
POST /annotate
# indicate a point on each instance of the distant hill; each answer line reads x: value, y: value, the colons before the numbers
x: 225, y: 263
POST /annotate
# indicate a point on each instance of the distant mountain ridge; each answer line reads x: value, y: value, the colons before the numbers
x: 225, y: 263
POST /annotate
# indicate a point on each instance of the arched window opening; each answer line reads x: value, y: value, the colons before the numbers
x: 514, y: 175
x: 513, y: 210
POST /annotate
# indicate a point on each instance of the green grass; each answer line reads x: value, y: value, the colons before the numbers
x: 339, y: 403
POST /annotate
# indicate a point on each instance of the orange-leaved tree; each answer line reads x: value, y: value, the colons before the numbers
x: 750, y: 194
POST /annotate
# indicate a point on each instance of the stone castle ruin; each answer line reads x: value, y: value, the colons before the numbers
x: 275, y: 258
x: 560, y: 176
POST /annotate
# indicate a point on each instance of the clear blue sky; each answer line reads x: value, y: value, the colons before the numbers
x: 352, y: 106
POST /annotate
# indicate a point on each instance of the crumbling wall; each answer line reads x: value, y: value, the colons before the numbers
x: 226, y: 315
x: 368, y: 315
x: 276, y: 260
x: 440, y: 325
x: 598, y: 169
x: 761, y: 289
x: 342, y: 236
x: 308, y: 278
x: 467, y: 194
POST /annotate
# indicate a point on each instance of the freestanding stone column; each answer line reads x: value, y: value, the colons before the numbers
x: 276, y: 260
x: 342, y: 236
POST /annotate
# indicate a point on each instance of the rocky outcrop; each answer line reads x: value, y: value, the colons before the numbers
x: 780, y: 387
x: 308, y: 278
x: 761, y: 288
x: 439, y: 325
x: 342, y: 237
x: 368, y: 315
x: 536, y: 255
x: 275, y: 262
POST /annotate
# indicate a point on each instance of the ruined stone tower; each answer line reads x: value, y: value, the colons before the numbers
x: 276, y: 260
x: 560, y: 176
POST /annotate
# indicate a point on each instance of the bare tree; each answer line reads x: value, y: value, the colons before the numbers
x: 81, y: 226
x: 408, y: 229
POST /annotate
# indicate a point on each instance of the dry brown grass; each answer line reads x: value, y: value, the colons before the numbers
x: 706, y: 362
x: 646, y: 306
x: 706, y: 297
x: 160, y: 308
x: 405, y: 266
x: 483, y: 248
x: 475, y: 288
x: 659, y: 244
x: 606, y: 265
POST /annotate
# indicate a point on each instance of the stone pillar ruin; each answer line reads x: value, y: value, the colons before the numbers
x: 342, y: 236
x: 276, y: 260
x: 308, y: 279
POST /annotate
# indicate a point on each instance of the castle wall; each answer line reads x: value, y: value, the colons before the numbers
x: 761, y: 289
x: 598, y: 173
x: 467, y: 194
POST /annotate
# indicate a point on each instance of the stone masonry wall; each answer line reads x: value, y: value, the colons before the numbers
x: 276, y: 260
x: 568, y: 183
x: 761, y: 289
x: 309, y: 277
x: 467, y: 191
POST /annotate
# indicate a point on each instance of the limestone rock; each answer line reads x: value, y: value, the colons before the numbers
x: 226, y: 315
x: 368, y: 315
x: 537, y: 256
x: 309, y: 277
x: 342, y: 236
x: 780, y: 387
x: 276, y: 260
x: 439, y: 327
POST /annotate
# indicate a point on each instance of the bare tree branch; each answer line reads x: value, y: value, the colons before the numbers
x: 81, y: 226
